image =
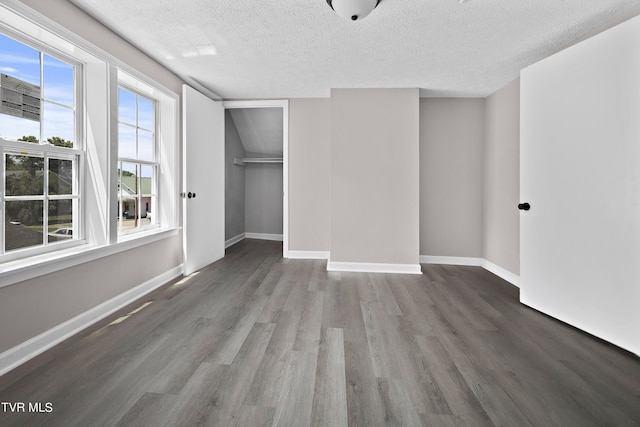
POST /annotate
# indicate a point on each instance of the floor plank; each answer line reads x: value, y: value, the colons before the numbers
x: 258, y: 340
x: 330, y: 395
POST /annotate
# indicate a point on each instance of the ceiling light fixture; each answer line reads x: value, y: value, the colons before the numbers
x: 353, y: 10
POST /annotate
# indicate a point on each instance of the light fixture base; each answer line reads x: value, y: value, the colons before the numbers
x: 353, y: 10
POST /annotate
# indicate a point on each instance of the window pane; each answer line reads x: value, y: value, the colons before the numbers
x: 146, y: 180
x: 129, y: 219
x: 23, y: 225
x: 149, y: 207
x: 58, y: 125
x: 126, y: 107
x: 19, y: 61
x: 137, y: 190
x: 130, y: 178
x: 127, y: 196
x: 14, y: 128
x: 147, y: 176
x: 145, y: 113
x: 60, y: 176
x: 24, y: 175
x: 145, y: 145
x: 60, y: 220
x: 126, y: 141
x: 58, y: 81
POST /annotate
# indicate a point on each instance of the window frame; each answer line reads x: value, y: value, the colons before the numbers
x: 76, y: 154
x: 101, y: 72
x: 154, y: 164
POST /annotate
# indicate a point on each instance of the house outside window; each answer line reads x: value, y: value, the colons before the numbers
x: 138, y: 163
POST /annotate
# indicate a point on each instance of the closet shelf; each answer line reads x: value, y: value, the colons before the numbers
x: 243, y: 161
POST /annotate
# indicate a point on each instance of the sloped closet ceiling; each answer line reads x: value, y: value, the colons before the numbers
x: 301, y: 48
x: 260, y: 129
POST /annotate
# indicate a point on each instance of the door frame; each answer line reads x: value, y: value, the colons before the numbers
x: 284, y: 104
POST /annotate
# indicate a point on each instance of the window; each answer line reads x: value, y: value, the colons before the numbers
x: 39, y: 194
x: 89, y: 151
x: 137, y: 162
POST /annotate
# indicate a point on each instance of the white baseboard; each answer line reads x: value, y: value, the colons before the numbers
x: 451, y: 260
x: 232, y: 241
x: 514, y: 279
x: 365, y: 267
x: 309, y: 254
x: 264, y: 236
x: 29, y: 349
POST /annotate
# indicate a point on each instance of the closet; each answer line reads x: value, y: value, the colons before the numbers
x: 253, y: 174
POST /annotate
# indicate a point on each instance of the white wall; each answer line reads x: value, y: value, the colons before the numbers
x: 263, y: 198
x: 580, y: 170
x: 501, y: 218
x: 234, y: 207
x: 375, y: 176
x: 310, y: 175
x: 451, y: 185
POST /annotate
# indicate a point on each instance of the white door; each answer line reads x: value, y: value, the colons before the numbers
x: 580, y: 172
x: 203, y: 179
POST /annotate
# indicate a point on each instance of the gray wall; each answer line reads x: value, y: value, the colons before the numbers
x: 501, y: 222
x: 375, y: 176
x: 451, y: 175
x: 31, y: 307
x: 34, y: 306
x: 234, y: 181
x: 263, y: 198
x: 309, y: 174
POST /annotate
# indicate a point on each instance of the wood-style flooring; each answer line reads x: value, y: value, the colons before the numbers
x: 258, y: 340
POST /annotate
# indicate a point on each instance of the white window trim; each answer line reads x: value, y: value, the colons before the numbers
x: 101, y: 240
x: 36, y: 266
x: 123, y: 82
x: 45, y: 150
x: 167, y: 154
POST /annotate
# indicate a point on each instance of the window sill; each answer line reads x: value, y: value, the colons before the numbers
x: 28, y: 268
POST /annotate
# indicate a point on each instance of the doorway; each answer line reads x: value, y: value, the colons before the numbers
x: 263, y: 127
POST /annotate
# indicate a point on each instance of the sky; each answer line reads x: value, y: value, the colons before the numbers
x: 135, y: 113
x: 22, y: 62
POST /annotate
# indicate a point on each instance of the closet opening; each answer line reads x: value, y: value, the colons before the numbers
x: 256, y: 171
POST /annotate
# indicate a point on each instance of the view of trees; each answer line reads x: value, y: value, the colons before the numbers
x: 25, y: 177
x: 54, y: 140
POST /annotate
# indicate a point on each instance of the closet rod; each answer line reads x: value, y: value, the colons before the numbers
x: 262, y: 160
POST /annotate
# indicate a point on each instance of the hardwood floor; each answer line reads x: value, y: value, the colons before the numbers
x: 257, y: 340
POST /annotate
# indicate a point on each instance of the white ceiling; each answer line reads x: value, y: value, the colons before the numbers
x: 300, y: 48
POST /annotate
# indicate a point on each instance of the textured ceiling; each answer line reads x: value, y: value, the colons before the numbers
x: 300, y: 48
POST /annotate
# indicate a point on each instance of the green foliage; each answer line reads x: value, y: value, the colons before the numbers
x: 25, y: 212
x: 29, y: 138
x: 25, y: 177
x: 53, y: 140
x: 59, y: 142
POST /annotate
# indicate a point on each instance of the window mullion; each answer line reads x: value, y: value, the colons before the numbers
x: 41, y: 97
x: 45, y: 203
x: 59, y: 104
x: 2, y: 196
x: 137, y: 126
x: 138, y: 212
